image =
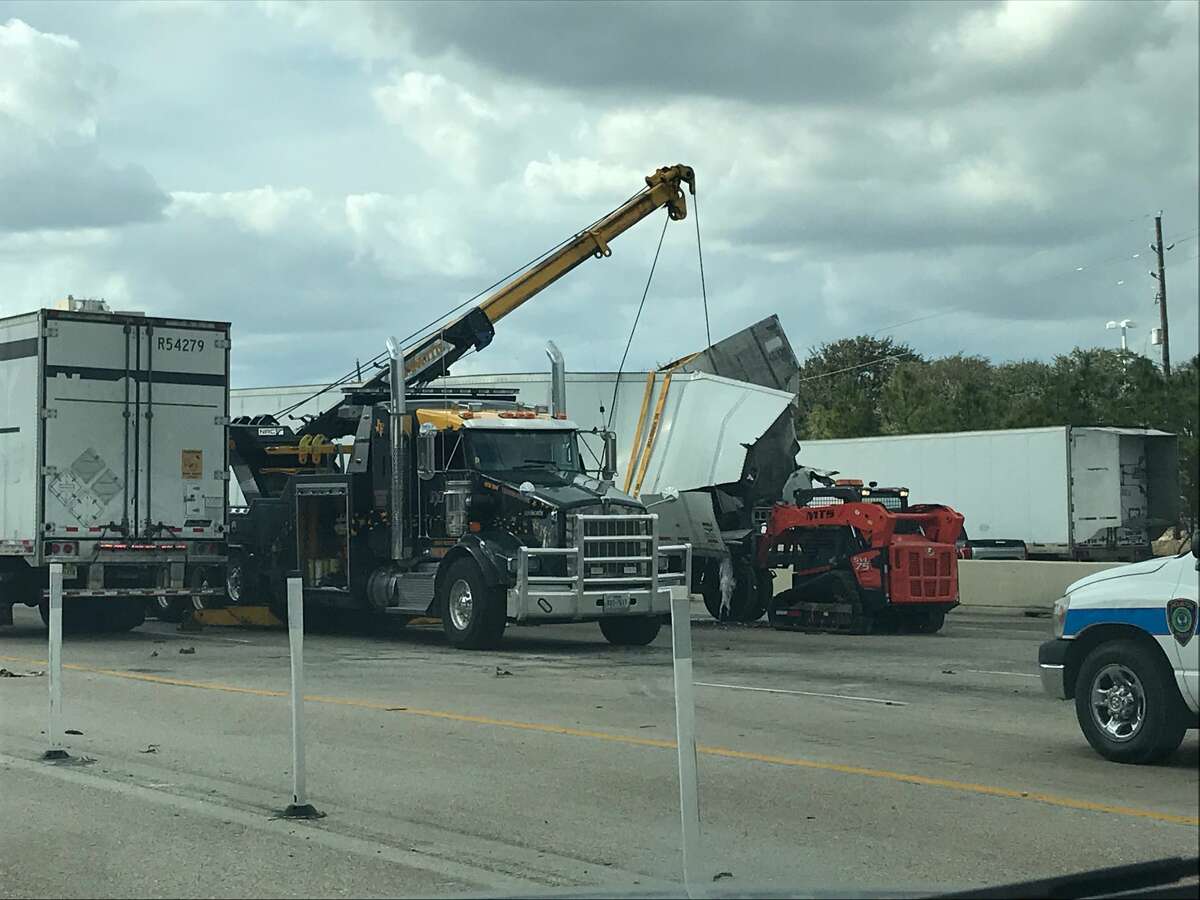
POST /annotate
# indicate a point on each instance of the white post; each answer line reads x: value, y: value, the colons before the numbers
x: 299, y: 807
x: 685, y: 734
x: 54, y: 729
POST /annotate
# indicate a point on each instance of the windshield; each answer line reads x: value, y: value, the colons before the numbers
x: 537, y: 456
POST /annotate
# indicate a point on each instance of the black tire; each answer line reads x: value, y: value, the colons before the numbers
x: 1155, y: 697
x: 927, y: 621
x: 630, y: 631
x: 171, y: 609
x: 474, y: 621
x: 756, y: 596
x: 80, y: 615
x: 125, y: 614
x: 844, y: 589
x: 710, y: 591
x: 749, y: 598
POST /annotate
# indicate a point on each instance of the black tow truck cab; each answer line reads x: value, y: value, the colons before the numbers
x: 473, y: 509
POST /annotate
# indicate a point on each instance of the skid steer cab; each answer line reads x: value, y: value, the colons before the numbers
x: 480, y: 513
x: 861, y: 558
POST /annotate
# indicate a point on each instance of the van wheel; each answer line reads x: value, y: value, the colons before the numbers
x: 631, y: 631
x: 1128, y: 705
x: 473, y: 614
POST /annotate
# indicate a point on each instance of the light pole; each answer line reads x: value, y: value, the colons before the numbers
x: 1124, y: 325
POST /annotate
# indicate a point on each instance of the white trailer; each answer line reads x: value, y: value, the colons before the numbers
x: 1066, y: 492
x: 113, y: 462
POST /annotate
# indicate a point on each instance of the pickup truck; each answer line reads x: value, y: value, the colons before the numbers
x: 1125, y: 650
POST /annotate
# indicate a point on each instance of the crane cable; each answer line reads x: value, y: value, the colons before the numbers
x: 645, y: 292
x: 700, y: 254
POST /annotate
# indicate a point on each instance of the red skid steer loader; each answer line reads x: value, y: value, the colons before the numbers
x: 861, y: 559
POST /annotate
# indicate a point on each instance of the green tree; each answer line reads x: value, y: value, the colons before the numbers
x: 1025, y: 395
x: 954, y: 393
x: 841, y: 385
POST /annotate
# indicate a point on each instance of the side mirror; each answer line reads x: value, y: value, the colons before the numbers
x: 1196, y: 544
x: 608, y: 463
x: 426, y: 451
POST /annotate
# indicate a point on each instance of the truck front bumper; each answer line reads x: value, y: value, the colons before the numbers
x: 615, y: 568
x: 1052, y: 666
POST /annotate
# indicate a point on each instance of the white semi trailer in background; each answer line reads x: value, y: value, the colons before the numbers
x: 113, y: 462
x: 1064, y: 492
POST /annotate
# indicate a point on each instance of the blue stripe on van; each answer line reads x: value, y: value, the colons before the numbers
x: 1151, y: 619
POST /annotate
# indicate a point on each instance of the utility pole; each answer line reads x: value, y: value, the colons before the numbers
x: 1162, y: 295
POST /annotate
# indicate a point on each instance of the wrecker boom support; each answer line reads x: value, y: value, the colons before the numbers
x: 475, y: 328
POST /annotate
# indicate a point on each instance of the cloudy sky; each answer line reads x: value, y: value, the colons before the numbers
x: 971, y: 177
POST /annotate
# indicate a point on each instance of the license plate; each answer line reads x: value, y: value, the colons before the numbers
x: 616, y: 601
x: 69, y: 571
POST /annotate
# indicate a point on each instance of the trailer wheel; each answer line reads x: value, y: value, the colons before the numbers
x: 170, y: 609
x: 631, y: 631
x: 118, y: 615
x: 473, y: 614
x: 81, y: 615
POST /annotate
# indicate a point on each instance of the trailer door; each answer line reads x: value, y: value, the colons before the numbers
x: 1095, y: 485
x: 88, y: 428
x: 181, y: 455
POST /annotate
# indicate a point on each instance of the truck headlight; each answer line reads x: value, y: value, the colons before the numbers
x: 545, y: 529
x: 1060, y: 614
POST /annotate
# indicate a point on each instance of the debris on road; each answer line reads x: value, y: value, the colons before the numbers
x: 150, y: 748
x: 8, y: 673
x: 154, y: 653
x: 501, y: 673
x: 73, y: 731
x: 721, y: 875
x: 949, y: 672
x: 187, y: 650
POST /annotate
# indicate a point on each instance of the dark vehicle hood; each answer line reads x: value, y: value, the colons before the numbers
x: 583, y: 490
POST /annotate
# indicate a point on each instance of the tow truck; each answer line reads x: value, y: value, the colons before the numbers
x: 401, y: 501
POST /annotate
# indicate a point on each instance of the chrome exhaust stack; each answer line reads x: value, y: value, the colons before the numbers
x: 558, y: 381
x: 399, y: 452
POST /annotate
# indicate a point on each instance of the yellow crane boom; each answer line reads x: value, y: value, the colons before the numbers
x: 475, y: 328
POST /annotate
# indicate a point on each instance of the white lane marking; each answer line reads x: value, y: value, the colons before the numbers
x: 992, y: 672
x: 744, y: 687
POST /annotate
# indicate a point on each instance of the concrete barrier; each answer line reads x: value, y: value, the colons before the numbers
x: 1012, y: 583
x: 1019, y: 583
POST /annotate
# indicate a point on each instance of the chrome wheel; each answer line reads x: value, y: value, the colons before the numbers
x: 1118, y: 702
x: 461, y: 604
x: 233, y: 583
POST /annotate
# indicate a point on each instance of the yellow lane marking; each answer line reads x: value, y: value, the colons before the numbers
x: 719, y: 752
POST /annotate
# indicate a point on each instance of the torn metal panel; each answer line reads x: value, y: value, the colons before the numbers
x: 760, y: 354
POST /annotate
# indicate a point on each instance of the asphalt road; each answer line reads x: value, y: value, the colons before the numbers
x: 858, y: 763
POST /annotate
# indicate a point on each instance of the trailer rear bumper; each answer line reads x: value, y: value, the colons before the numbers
x: 140, y: 592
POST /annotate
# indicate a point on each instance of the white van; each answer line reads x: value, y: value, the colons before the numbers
x: 1125, y: 650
